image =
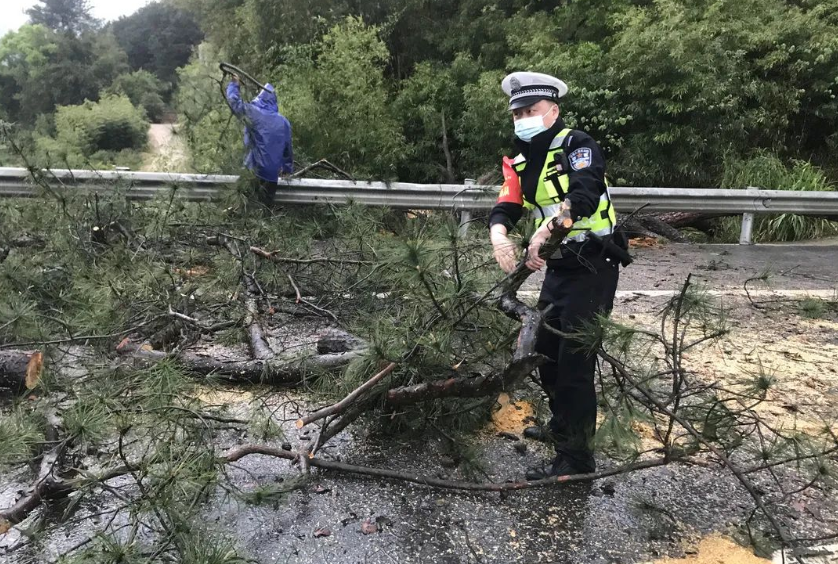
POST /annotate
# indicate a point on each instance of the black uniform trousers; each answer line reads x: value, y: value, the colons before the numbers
x: 578, y: 289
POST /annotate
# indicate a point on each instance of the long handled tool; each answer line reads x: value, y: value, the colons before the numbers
x: 227, y: 68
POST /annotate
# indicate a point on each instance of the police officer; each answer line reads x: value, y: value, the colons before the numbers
x: 559, y: 172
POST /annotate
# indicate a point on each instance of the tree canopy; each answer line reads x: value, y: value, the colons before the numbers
x: 70, y: 16
x: 672, y: 89
x: 158, y: 38
x: 676, y: 91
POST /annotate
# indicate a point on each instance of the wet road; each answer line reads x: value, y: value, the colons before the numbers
x: 727, y: 267
x: 626, y: 519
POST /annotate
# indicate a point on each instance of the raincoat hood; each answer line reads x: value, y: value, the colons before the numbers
x: 266, y: 100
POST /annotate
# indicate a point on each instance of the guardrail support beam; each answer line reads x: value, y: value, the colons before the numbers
x: 745, y: 235
x: 465, y: 215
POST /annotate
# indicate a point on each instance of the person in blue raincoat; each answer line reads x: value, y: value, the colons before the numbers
x: 267, y: 136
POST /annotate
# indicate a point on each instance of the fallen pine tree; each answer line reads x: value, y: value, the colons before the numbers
x: 384, y: 319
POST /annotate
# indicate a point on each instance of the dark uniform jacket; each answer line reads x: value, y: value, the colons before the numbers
x: 586, y: 184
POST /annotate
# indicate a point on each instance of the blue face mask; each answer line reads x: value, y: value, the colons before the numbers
x: 527, y: 128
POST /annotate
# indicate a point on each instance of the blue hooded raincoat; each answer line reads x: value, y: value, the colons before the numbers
x: 267, y: 133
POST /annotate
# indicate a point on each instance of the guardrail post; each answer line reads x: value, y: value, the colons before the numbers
x: 465, y: 215
x: 747, y: 224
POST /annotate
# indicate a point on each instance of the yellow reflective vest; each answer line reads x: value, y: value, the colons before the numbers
x: 552, y: 189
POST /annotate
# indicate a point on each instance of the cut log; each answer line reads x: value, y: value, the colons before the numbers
x: 679, y: 220
x: 259, y: 347
x: 668, y: 225
x: 20, y: 370
x: 277, y: 370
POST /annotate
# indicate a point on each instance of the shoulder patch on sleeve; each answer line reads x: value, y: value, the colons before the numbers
x: 580, y: 158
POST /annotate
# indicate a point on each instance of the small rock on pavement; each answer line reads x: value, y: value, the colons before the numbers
x: 368, y: 527
x: 608, y: 488
x: 521, y: 447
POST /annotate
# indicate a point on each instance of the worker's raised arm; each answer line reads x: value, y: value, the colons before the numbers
x: 234, y: 97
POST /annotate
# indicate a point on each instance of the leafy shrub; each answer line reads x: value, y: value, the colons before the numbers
x: 144, y: 90
x: 95, y: 133
x: 338, y: 104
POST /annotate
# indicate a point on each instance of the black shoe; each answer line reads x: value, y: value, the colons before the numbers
x: 559, y: 467
x: 539, y: 433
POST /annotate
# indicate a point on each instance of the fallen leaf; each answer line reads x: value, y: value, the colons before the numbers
x: 146, y: 348
x: 369, y: 527
x: 122, y: 343
x: 34, y: 369
x: 192, y: 272
x: 322, y: 532
x: 4, y: 526
x: 321, y: 489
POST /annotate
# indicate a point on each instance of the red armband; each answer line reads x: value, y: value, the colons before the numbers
x: 511, y: 190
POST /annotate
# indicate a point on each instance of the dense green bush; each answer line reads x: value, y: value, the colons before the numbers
x: 672, y: 89
x: 338, y: 103
x: 103, y: 132
x: 144, y: 90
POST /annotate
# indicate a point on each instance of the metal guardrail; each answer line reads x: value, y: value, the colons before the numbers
x: 16, y: 182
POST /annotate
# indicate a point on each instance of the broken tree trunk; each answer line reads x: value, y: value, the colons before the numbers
x: 334, y: 340
x: 20, y: 370
x: 258, y: 344
x: 48, y: 484
x: 524, y: 359
x: 668, y: 225
x: 284, y: 370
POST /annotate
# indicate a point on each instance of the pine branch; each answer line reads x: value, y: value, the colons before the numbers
x: 351, y: 398
x: 740, y: 475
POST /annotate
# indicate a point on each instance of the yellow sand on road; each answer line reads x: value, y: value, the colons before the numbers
x: 717, y: 550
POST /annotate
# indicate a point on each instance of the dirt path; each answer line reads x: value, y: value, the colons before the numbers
x: 167, y: 150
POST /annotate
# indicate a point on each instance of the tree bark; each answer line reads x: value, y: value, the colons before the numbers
x: 277, y: 370
x: 20, y: 370
x: 334, y: 340
x: 668, y: 225
x: 259, y: 347
x: 474, y: 387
